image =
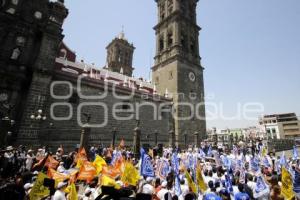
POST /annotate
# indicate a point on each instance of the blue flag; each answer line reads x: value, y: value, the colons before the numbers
x: 177, y: 186
x: 296, y: 182
x: 201, y: 153
x: 175, y: 163
x: 227, y: 162
x: 266, y: 162
x: 295, y: 153
x: 282, y: 160
x: 260, y: 185
x: 209, y: 152
x: 254, y: 164
x: 228, y: 184
x: 146, y: 165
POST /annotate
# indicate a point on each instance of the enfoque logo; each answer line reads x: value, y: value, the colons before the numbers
x: 208, y: 110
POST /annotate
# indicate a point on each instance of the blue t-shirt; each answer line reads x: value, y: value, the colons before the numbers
x: 212, y: 196
x: 241, y: 196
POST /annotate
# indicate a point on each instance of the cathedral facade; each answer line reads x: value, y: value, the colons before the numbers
x: 48, y: 97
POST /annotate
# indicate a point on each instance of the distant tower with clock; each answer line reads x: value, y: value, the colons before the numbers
x: 177, y: 69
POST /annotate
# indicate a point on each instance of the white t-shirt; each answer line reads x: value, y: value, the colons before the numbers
x: 161, y: 193
x: 59, y: 195
x: 148, y: 189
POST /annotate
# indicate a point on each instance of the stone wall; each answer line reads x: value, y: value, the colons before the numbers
x: 67, y: 132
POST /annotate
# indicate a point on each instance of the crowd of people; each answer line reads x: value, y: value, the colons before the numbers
x: 208, y: 172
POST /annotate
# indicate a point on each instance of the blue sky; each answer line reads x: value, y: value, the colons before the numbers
x: 250, y: 48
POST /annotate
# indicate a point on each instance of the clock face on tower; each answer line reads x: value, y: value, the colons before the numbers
x: 192, y: 76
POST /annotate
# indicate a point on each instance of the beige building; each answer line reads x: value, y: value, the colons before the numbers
x: 280, y: 126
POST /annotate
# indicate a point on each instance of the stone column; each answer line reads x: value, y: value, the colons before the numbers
x: 172, y: 138
x: 137, y: 142
x: 84, y: 137
x: 114, y: 132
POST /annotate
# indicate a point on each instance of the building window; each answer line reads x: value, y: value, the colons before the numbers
x: 170, y: 75
x: 273, y: 130
x: 183, y: 40
x: 162, y: 11
x: 170, y: 6
x: 157, y: 80
x: 161, y: 43
x: 170, y: 39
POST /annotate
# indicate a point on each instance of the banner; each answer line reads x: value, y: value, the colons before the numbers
x: 51, y: 163
x: 295, y: 153
x: 175, y: 163
x: 287, y: 184
x: 131, y: 175
x: 87, y: 171
x: 81, y: 157
x: 146, y: 166
x: 38, y: 190
x: 98, y: 163
x: 107, y: 181
x: 177, y: 186
x: 58, y: 177
x: 260, y: 185
x: 191, y: 183
x: 200, y: 180
x: 72, y: 192
x: 162, y: 168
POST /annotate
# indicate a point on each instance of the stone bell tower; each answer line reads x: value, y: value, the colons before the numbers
x: 177, y: 70
x: 120, y: 55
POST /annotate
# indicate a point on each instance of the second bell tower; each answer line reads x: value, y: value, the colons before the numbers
x: 178, y: 69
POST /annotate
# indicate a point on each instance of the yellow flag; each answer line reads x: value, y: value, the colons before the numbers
x: 287, y: 184
x: 200, y: 180
x: 72, y: 192
x: 191, y: 183
x: 98, y: 163
x: 264, y: 151
x: 107, y: 181
x: 130, y: 175
x: 38, y: 190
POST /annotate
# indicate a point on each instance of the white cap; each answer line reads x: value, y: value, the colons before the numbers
x: 164, y: 184
x: 148, y: 179
x: 35, y: 173
x: 61, y: 185
x: 27, y: 186
x: 87, y: 190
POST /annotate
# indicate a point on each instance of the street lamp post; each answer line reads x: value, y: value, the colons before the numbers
x: 85, y: 131
x: 114, y: 133
x: 185, y: 140
x: 137, y: 140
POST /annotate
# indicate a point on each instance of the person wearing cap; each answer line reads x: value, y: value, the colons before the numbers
x: 27, y: 188
x: 61, y: 168
x: 148, y: 187
x: 59, y: 154
x: 29, y: 159
x: 59, y: 193
x: 88, y: 194
x: 163, y: 190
